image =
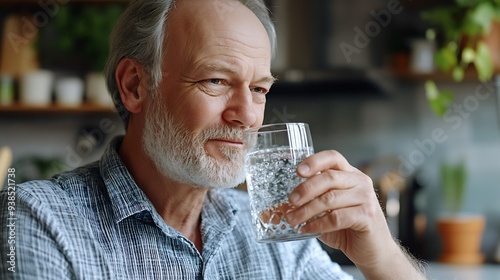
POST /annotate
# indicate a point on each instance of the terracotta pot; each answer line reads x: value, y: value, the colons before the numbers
x: 493, y: 42
x: 461, y: 237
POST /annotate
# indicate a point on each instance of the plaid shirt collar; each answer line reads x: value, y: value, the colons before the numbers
x: 129, y: 200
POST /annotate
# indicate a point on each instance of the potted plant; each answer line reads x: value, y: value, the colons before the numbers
x: 470, y: 33
x: 461, y: 233
x: 81, y: 34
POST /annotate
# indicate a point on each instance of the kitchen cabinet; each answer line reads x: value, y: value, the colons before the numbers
x: 85, y: 108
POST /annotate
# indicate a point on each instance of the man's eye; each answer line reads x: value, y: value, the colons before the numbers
x: 260, y: 90
x: 215, y: 81
x: 214, y: 87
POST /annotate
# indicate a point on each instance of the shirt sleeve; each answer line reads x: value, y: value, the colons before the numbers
x: 29, y: 239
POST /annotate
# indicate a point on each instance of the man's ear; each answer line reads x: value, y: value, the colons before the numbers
x: 132, y: 84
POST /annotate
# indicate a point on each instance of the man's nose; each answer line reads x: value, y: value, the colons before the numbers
x: 241, y: 109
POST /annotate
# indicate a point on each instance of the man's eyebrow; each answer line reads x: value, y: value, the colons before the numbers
x: 221, y: 68
x: 227, y: 68
x: 267, y: 79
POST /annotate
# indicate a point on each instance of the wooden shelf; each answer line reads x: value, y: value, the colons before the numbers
x: 438, y: 76
x: 35, y: 2
x: 56, y: 109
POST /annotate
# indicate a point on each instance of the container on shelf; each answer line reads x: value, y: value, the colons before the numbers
x: 36, y: 88
x: 6, y: 90
x: 69, y: 91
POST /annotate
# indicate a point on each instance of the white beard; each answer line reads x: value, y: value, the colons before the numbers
x: 181, y: 157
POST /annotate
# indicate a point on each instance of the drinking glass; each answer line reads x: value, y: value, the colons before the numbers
x: 273, y: 153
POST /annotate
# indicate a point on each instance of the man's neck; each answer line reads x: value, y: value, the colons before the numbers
x: 178, y: 204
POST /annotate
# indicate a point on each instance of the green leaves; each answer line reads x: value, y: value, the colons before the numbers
x: 439, y: 101
x: 480, y: 18
x: 445, y: 19
x: 446, y: 58
x: 463, y: 26
x: 84, y: 31
x: 458, y: 74
x: 453, y: 178
x: 483, y: 62
x: 468, y: 55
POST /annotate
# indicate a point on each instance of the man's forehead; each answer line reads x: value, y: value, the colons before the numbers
x: 263, y: 72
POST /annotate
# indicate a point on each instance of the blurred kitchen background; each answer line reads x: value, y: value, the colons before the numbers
x: 346, y: 67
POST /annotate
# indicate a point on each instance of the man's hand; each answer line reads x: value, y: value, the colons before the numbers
x: 344, y: 208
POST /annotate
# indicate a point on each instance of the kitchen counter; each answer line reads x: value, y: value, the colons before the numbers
x: 440, y: 271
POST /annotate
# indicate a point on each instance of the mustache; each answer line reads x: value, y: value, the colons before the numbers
x: 226, y: 132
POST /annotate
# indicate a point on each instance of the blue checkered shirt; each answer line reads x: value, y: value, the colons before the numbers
x: 96, y: 223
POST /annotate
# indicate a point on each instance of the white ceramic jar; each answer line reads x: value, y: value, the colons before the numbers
x: 36, y: 88
x: 69, y: 91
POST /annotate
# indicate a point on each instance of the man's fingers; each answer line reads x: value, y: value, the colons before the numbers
x: 321, y: 161
x: 354, y: 218
x: 318, y: 195
x: 321, y: 183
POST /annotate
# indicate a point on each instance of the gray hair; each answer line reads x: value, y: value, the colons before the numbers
x: 139, y: 34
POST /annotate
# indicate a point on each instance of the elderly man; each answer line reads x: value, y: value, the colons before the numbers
x: 188, y: 77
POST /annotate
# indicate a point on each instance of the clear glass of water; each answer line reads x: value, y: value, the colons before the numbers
x: 274, y: 151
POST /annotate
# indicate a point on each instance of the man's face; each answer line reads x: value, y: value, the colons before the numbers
x: 216, y: 72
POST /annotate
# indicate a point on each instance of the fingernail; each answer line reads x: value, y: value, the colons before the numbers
x: 303, y: 168
x: 294, y: 198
